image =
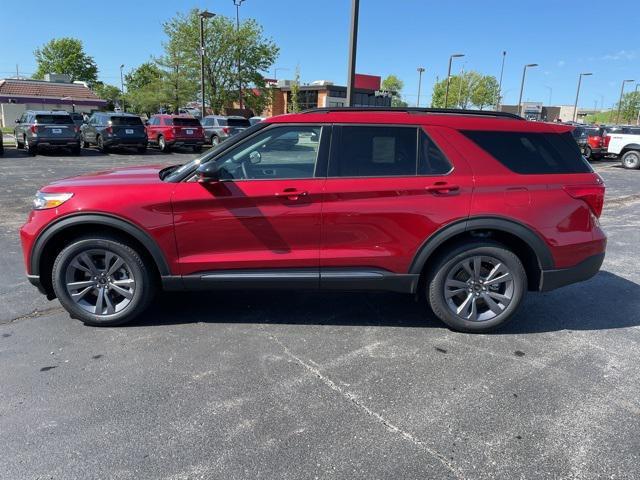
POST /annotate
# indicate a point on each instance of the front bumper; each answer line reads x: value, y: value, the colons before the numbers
x: 552, y: 279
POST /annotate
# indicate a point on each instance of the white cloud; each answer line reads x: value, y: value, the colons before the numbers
x: 561, y: 63
x: 620, y: 55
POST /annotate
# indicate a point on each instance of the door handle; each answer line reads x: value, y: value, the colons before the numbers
x: 440, y: 188
x: 291, y: 194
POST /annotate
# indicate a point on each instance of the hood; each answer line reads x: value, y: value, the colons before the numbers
x: 120, y: 176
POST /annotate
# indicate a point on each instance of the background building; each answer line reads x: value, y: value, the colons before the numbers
x: 53, y: 93
x: 323, y: 93
x: 552, y: 113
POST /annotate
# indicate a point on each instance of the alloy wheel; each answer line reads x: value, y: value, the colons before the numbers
x: 479, y: 288
x: 100, y: 282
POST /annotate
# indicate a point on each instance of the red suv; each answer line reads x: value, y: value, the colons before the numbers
x: 469, y: 210
x: 167, y: 131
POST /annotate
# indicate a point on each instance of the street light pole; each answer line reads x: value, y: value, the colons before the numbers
x: 122, y: 86
x: 550, y: 93
x: 575, y: 106
x: 524, y: 73
x: 638, y: 117
x: 420, y: 72
x: 353, y: 46
x: 204, y: 14
x: 504, y: 55
x: 620, y: 101
x: 237, y: 3
x: 446, y: 93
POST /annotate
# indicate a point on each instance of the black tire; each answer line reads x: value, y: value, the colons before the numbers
x: 29, y: 147
x: 101, y: 146
x: 85, y: 144
x: 588, y: 153
x: 144, y: 286
x: 197, y: 148
x: 215, y: 141
x: 631, y: 160
x: 1, y: 149
x: 162, y: 144
x: 76, y: 150
x: 443, y: 308
x: 19, y: 146
x: 141, y: 150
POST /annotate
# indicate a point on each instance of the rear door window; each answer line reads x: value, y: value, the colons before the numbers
x: 54, y: 119
x: 532, y: 153
x: 374, y: 152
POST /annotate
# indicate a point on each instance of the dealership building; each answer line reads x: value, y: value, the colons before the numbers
x: 551, y: 113
x: 323, y: 93
x: 55, y: 92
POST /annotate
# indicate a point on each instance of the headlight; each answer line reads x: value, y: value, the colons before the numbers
x: 44, y: 200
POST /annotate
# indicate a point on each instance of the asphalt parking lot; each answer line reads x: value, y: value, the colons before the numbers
x: 306, y: 385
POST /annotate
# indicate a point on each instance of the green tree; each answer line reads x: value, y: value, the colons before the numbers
x: 394, y: 86
x: 146, y: 89
x: 223, y: 45
x: 293, y: 105
x: 65, y: 55
x: 628, y: 108
x: 465, y: 90
x: 109, y: 93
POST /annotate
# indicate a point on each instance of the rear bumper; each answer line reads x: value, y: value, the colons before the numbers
x: 47, y: 142
x: 552, y: 279
x: 186, y: 141
x: 126, y: 142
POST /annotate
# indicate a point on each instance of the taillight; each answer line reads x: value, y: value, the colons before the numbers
x: 175, y: 130
x: 77, y: 129
x: 109, y: 129
x: 606, y: 140
x: 593, y: 195
x: 34, y: 129
x: 226, y: 130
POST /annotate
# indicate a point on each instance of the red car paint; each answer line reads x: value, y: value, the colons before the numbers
x: 340, y: 222
x: 168, y: 126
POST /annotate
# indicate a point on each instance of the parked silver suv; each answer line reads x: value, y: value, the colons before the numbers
x: 218, y: 128
x: 56, y: 129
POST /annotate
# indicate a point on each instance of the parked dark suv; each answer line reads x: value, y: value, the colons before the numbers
x: 49, y: 129
x: 108, y: 130
x: 468, y: 210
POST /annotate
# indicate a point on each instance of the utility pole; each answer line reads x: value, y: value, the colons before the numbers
x: 575, y: 106
x: 620, y: 101
x: 504, y: 55
x: 446, y: 93
x: 237, y: 3
x: 122, y: 87
x: 203, y: 15
x: 353, y: 47
x: 420, y: 72
x: 524, y: 73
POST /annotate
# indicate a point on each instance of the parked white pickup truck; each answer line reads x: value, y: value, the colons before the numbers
x: 626, y: 146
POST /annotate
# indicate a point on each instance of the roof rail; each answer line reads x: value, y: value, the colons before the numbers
x: 417, y: 110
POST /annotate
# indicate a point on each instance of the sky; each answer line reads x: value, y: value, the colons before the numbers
x: 565, y: 37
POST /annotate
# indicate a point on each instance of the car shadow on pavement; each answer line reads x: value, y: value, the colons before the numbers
x: 607, y: 301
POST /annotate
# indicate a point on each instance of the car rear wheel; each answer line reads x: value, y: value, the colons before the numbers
x: 631, y: 159
x: 477, y: 287
x: 102, y: 281
x: 85, y: 144
x: 215, y: 141
x: 587, y: 152
x: 101, y: 145
x: 30, y: 147
x: 162, y: 143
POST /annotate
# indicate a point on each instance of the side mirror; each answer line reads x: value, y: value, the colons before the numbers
x: 255, y: 157
x: 208, y: 172
x: 17, y: 120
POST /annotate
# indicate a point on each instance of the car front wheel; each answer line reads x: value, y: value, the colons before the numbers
x: 102, y: 281
x: 477, y: 287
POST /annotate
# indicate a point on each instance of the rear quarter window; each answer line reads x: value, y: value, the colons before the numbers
x: 532, y: 153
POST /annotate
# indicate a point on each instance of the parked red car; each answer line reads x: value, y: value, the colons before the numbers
x: 468, y: 210
x: 168, y: 131
x: 595, y: 147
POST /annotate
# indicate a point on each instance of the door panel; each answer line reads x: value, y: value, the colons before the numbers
x: 248, y: 224
x: 381, y: 222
